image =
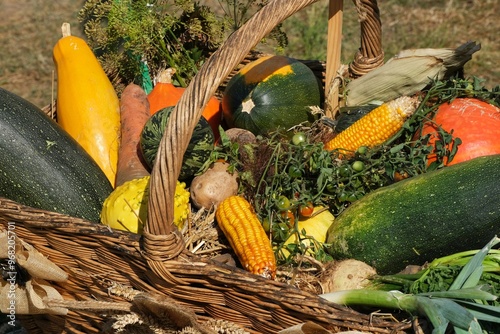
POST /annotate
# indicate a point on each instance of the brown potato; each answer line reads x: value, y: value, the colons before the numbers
x: 213, y: 186
x: 240, y: 136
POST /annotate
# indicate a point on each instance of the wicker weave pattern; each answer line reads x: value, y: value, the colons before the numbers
x: 94, y: 256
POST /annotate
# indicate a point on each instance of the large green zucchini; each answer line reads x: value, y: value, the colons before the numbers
x: 43, y: 167
x: 450, y: 210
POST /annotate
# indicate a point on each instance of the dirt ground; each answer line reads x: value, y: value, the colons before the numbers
x: 29, y: 29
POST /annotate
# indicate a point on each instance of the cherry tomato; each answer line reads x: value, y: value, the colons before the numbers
x: 344, y: 171
x: 352, y: 198
x: 330, y: 187
x: 398, y: 176
x: 289, y: 218
x: 299, y: 138
x: 358, y: 166
x: 266, y: 224
x: 362, y: 150
x: 343, y: 197
x: 283, y: 203
x: 306, y: 210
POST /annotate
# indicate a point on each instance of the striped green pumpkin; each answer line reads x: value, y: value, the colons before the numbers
x: 197, y: 153
x: 270, y: 93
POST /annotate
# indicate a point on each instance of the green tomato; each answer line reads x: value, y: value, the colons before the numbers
x: 362, y: 150
x: 343, y: 197
x: 299, y: 138
x: 283, y: 203
x: 358, y: 166
x: 344, y: 171
x: 266, y: 224
x: 330, y: 187
x: 352, y: 198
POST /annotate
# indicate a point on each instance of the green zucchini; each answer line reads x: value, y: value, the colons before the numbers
x: 43, y: 167
x: 442, y: 212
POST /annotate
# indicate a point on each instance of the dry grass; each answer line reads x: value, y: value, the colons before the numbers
x: 29, y: 29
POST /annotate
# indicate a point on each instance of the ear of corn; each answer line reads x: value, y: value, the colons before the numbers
x: 247, y: 237
x: 376, y: 127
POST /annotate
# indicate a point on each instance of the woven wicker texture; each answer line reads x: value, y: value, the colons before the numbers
x: 97, y: 259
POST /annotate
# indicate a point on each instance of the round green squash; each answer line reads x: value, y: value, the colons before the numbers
x: 270, y: 93
x: 197, y: 153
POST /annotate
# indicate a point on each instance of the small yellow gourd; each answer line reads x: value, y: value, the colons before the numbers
x: 88, y: 107
x: 315, y: 227
x: 126, y: 207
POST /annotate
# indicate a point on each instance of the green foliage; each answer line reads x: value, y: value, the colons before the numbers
x: 136, y: 39
x: 308, y: 32
x: 128, y: 34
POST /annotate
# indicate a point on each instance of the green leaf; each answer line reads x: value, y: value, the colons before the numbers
x: 469, y: 270
x: 482, y: 312
x: 479, y: 292
x: 458, y: 315
x: 427, y: 307
x: 474, y: 277
x: 397, y: 148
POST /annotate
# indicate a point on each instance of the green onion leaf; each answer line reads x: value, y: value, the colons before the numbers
x: 481, y: 292
x: 470, y: 269
x: 483, y: 312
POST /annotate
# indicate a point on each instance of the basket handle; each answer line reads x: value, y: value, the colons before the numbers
x: 160, y: 230
x: 370, y: 55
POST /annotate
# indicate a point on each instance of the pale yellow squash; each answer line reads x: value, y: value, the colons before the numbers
x: 315, y: 227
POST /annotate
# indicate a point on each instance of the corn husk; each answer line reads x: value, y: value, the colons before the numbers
x: 408, y: 72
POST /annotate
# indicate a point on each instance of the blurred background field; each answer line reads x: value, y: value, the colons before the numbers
x: 30, y: 28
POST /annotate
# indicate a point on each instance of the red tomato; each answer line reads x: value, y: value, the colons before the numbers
x: 289, y: 218
x: 475, y: 122
x: 306, y: 210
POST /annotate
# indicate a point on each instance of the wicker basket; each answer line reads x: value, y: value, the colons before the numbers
x: 112, y: 271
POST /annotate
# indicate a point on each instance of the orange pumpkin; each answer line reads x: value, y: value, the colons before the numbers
x: 475, y: 122
x: 165, y: 94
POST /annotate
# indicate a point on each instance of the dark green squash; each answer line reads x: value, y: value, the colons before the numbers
x: 197, y: 153
x: 43, y: 167
x: 270, y: 93
x: 422, y: 218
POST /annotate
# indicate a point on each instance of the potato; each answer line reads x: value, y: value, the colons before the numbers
x: 213, y: 186
x: 240, y: 136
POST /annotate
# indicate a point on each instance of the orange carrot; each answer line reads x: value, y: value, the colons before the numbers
x: 134, y: 113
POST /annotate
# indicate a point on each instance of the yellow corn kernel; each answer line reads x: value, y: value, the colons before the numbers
x: 376, y: 127
x: 247, y: 237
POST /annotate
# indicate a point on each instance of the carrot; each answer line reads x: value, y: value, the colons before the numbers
x: 134, y: 113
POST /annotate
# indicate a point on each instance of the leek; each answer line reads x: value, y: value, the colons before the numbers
x: 468, y: 304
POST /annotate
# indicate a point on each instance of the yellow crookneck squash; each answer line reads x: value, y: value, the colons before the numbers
x: 88, y: 107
